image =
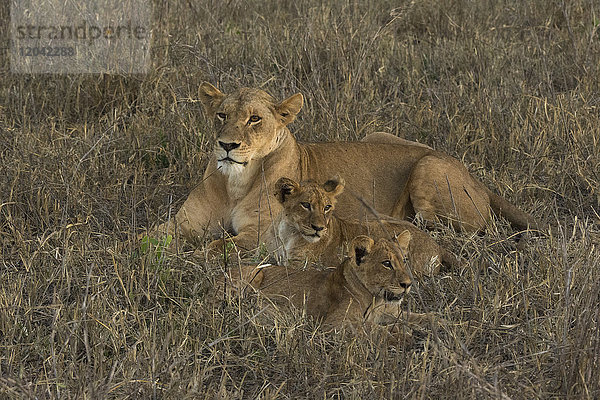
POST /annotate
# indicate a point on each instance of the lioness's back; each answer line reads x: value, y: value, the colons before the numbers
x: 384, y: 180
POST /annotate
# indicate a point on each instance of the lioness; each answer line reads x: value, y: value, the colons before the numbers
x: 310, y: 231
x: 366, y: 287
x: 254, y: 148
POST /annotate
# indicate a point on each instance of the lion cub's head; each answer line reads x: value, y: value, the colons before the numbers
x: 307, y: 206
x: 250, y: 123
x: 380, y: 267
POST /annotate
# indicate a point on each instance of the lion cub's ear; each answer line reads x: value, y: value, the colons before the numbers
x: 335, y: 186
x: 361, y: 247
x: 210, y: 97
x: 289, y: 108
x: 403, y: 240
x: 285, y: 187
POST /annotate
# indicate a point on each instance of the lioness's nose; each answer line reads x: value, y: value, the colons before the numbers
x: 405, y: 285
x: 228, y: 146
x: 317, y: 228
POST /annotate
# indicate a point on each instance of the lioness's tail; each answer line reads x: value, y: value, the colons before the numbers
x: 517, y: 218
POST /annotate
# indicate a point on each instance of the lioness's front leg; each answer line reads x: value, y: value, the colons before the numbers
x: 251, y: 221
x: 206, y: 210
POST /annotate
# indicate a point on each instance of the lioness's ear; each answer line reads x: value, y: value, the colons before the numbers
x: 334, y: 186
x: 361, y: 247
x: 403, y: 240
x: 289, y: 108
x: 285, y: 187
x: 210, y: 97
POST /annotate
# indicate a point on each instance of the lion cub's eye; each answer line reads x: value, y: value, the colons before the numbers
x: 305, y: 205
x: 327, y: 207
x: 222, y: 116
x: 387, y: 264
x: 254, y: 119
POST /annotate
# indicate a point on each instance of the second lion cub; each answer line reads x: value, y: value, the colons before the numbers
x: 367, y: 287
x: 309, y: 232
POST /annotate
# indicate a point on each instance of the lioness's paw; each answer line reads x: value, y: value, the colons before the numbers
x: 221, y: 249
x: 165, y: 229
x: 399, y: 335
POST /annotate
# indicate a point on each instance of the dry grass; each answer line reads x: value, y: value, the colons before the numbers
x: 88, y: 161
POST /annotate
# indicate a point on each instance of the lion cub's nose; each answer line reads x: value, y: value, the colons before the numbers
x: 228, y: 146
x: 406, y: 285
x: 317, y: 228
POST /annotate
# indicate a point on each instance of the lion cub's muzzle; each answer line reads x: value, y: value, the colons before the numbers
x: 314, y: 232
x: 397, y: 293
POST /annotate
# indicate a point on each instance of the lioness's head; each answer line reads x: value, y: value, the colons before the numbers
x: 250, y: 123
x: 380, y: 266
x: 307, y: 206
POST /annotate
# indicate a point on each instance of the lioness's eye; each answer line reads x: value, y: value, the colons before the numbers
x: 254, y: 119
x: 387, y: 264
x: 305, y: 205
x: 222, y: 116
x: 327, y: 207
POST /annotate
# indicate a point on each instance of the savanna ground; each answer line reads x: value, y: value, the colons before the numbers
x: 88, y: 162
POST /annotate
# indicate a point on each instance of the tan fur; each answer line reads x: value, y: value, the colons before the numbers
x: 396, y: 179
x: 315, y: 234
x: 384, y: 137
x: 361, y: 289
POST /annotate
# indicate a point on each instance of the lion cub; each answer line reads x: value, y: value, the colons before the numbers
x: 309, y: 231
x: 366, y: 287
